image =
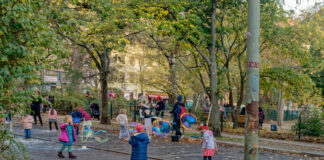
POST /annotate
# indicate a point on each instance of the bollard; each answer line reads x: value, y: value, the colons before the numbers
x: 222, y: 120
x: 299, y: 127
x: 111, y: 109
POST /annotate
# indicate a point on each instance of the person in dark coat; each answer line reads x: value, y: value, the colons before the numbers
x: 261, y: 117
x: 160, y: 107
x: 176, y: 116
x: 35, y: 107
x: 139, y: 144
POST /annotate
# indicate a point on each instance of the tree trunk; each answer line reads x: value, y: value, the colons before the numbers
x: 240, y: 94
x: 252, y: 89
x: 280, y: 109
x: 76, y: 65
x: 230, y: 97
x: 104, y: 58
x: 215, y: 119
x: 173, y: 78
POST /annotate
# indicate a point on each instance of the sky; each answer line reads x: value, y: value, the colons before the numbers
x: 305, y: 4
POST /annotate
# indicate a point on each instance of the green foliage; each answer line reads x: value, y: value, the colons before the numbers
x: 67, y: 104
x: 119, y: 103
x: 311, y: 126
x: 10, y: 147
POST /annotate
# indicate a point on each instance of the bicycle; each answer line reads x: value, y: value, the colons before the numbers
x: 86, y: 133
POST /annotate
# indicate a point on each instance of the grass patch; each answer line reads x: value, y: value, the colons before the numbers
x: 232, y: 139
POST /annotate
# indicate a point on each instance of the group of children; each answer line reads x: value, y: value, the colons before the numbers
x: 140, y: 140
x: 69, y: 129
x: 28, y: 121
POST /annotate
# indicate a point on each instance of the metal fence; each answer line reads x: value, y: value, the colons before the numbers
x: 272, y: 114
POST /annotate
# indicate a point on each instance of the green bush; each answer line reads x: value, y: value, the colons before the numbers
x: 119, y: 103
x: 10, y: 146
x: 67, y: 104
x: 312, y: 126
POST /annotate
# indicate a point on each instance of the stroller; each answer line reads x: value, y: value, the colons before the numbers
x: 95, y: 111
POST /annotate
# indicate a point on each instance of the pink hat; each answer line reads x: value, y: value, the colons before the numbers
x: 139, y: 127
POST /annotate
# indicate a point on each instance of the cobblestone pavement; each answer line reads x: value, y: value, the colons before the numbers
x: 158, y: 148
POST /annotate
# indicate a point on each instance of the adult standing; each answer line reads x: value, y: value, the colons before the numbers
x: 160, y: 107
x: 261, y: 117
x: 35, y: 107
x: 176, y: 116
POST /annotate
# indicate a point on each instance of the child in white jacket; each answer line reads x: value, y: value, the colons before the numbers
x: 209, y: 143
x: 123, y: 122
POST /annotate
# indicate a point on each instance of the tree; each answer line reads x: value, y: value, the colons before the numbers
x: 252, y: 88
x: 210, y: 45
x: 100, y: 28
x: 27, y: 44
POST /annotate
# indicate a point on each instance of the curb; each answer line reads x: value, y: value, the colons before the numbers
x: 271, y: 149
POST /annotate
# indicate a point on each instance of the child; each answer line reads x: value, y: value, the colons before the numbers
x: 76, y: 116
x: 52, y: 118
x: 209, y: 143
x: 86, y: 117
x: 148, y: 123
x: 28, y: 125
x: 67, y: 137
x: 139, y: 144
x: 123, y: 122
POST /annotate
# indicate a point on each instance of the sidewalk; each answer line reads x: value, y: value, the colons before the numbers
x: 303, y: 148
x: 159, y: 148
x: 266, y: 144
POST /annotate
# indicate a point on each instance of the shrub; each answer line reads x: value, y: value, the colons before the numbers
x: 311, y: 125
x: 119, y: 103
x: 10, y: 147
x: 67, y: 104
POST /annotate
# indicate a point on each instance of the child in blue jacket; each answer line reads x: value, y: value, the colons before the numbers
x: 76, y: 116
x: 139, y: 144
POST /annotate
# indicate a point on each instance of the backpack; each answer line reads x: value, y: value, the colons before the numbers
x: 260, y: 117
x: 182, y: 110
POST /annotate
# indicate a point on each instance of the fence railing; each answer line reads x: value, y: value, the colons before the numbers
x: 272, y: 114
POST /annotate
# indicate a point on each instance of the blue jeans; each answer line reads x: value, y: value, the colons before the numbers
x: 8, y: 118
x: 209, y: 158
x: 27, y: 133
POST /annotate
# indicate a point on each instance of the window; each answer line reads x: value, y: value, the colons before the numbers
x: 132, y: 77
x: 131, y: 95
x: 122, y: 59
x: 121, y: 77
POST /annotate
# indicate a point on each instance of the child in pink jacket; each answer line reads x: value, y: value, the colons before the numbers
x: 52, y: 118
x: 67, y: 137
x: 27, y: 121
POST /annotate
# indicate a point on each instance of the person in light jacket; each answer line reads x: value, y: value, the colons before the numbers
x: 123, y: 123
x: 27, y: 121
x: 52, y: 118
x: 209, y: 143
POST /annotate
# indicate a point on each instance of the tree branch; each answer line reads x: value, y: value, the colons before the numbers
x: 200, y: 51
x: 160, y: 47
x: 84, y: 46
x: 134, y: 33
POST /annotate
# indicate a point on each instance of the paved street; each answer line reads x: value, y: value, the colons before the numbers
x: 158, y: 148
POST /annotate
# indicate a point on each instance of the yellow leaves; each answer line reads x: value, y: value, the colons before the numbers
x: 35, y: 81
